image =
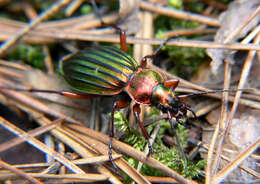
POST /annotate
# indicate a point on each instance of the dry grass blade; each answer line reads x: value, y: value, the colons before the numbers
x: 248, y: 170
x: 53, y: 9
x: 86, y: 178
x: 38, y: 131
x: 36, y: 104
x: 128, y: 150
x: 82, y: 161
x: 39, y: 145
x: 89, y: 147
x: 156, y: 179
x: 47, y: 36
x: 19, y: 172
x: 179, y: 14
x: 83, y: 150
x: 232, y: 165
x: 103, y: 149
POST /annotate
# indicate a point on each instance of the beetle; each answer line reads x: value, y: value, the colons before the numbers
x: 108, y: 71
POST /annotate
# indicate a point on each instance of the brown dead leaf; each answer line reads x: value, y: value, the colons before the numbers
x: 237, y: 14
x: 244, y: 130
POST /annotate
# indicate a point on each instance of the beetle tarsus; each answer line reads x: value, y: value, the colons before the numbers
x: 110, y: 152
x: 150, y: 148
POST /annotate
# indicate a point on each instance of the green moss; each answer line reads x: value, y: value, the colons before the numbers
x: 168, y: 156
x: 176, y: 3
x: 85, y: 9
x: 182, y: 61
x: 29, y: 54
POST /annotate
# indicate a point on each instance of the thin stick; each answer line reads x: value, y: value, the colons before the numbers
x: 19, y: 172
x: 179, y: 14
x: 54, y: 8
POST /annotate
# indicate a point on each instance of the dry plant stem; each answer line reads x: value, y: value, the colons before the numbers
x: 208, y: 173
x: 157, y: 179
x: 217, y: 139
x: 53, y: 9
x: 245, y: 72
x: 188, y: 32
x: 39, y: 145
x: 73, y: 6
x: 246, y: 69
x: 90, y: 177
x: 251, y: 35
x: 19, y: 172
x: 57, y: 24
x: 48, y: 60
x: 128, y: 150
x: 47, y: 36
x: 29, y: 10
x: 179, y: 14
x: 239, y: 29
x: 226, y: 122
x: 32, y: 14
x: 206, y: 109
x: 246, y: 169
x: 234, y: 164
x: 27, y: 100
x: 35, y: 132
x: 83, y: 150
x: 103, y: 149
x: 82, y: 161
x: 49, y: 142
x: 95, y: 22
x: 12, y: 65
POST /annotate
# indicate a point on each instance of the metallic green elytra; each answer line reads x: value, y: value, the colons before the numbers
x: 99, y: 70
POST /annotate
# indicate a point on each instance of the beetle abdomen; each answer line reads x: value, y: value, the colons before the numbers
x: 98, y: 70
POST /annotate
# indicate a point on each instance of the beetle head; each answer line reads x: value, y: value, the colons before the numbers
x: 165, y: 99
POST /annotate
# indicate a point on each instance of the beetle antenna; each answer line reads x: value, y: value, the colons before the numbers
x: 97, y: 12
x: 93, y: 2
x: 214, y: 91
x: 162, y: 45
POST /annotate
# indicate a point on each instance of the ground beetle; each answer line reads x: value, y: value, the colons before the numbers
x: 105, y: 71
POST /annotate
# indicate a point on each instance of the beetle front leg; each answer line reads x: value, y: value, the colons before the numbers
x: 137, y: 110
x: 176, y: 136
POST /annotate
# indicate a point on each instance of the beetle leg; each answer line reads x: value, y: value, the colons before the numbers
x: 173, y: 83
x: 137, y: 110
x: 176, y: 135
x: 122, y: 33
x: 116, y: 105
x: 123, y: 43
